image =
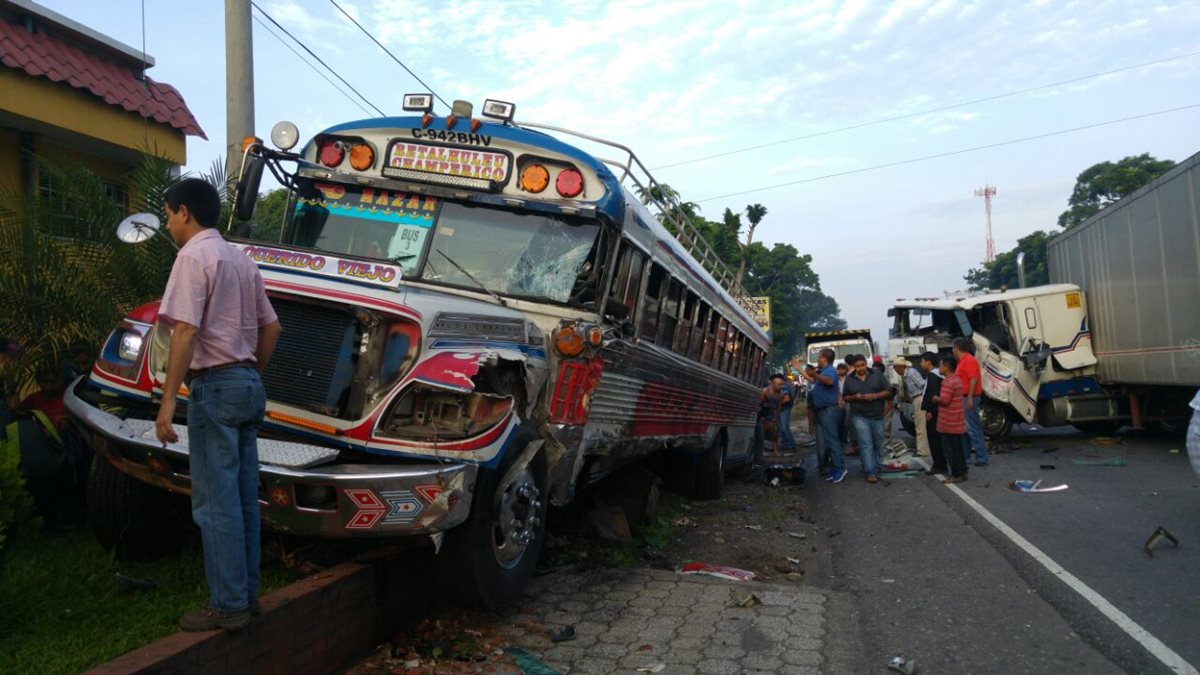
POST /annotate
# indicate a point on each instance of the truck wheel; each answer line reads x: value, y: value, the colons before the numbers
x: 996, y: 423
x: 710, y: 472
x: 133, y: 520
x: 488, y: 560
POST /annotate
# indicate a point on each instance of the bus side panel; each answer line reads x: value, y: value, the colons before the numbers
x: 650, y: 398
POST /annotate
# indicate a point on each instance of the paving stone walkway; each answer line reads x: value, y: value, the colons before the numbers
x: 627, y: 620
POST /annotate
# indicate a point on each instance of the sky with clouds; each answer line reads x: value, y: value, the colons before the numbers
x: 679, y: 81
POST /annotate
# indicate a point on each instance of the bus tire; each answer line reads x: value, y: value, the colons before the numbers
x: 483, y: 562
x: 133, y: 520
x: 710, y: 471
x: 996, y: 421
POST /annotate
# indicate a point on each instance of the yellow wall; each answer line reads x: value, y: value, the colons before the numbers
x: 63, y: 106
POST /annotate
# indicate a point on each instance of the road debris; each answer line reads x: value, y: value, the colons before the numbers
x: 1047, y: 467
x: 903, y: 665
x: 564, y: 634
x: 1034, y: 486
x: 719, y: 571
x: 656, y: 668
x: 797, y: 535
x: 683, y: 522
x: 743, y: 598
x: 1160, y: 534
x: 756, y: 528
x: 794, y: 561
x: 1106, y: 440
x: 1115, y: 461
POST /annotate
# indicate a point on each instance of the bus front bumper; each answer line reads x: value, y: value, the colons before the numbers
x: 333, y: 500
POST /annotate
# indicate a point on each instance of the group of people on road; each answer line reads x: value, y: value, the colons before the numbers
x: 850, y: 403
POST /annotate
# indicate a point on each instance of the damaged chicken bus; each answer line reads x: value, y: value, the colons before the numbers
x: 479, y: 320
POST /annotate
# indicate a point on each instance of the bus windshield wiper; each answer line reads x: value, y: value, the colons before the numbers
x: 485, y: 289
x: 402, y: 257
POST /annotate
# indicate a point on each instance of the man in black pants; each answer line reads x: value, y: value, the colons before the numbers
x: 933, y: 387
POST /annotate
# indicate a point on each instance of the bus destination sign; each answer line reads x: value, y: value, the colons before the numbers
x: 403, y: 156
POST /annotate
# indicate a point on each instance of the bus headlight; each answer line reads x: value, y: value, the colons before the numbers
x: 130, y: 346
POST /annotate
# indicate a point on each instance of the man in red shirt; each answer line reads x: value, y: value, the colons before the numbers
x: 950, y: 422
x: 968, y: 373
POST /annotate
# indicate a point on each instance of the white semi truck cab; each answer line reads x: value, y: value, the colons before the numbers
x: 1034, y: 348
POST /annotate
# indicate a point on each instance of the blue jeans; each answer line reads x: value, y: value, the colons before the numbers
x: 224, y: 411
x: 829, y: 450
x: 869, y: 432
x: 975, y: 433
x: 785, y: 429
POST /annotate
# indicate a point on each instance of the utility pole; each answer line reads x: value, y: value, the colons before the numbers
x: 239, y: 83
x: 987, y: 192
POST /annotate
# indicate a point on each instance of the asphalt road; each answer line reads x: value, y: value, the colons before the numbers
x: 926, y: 576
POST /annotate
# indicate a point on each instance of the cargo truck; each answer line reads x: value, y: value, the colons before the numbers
x: 1114, y: 339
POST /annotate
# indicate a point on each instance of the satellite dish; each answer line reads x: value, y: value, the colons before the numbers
x: 138, y: 228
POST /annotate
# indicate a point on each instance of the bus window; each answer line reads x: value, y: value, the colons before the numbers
x: 653, y: 302
x: 687, y: 319
x: 699, y: 328
x: 721, y: 326
x: 743, y: 357
x: 671, y: 305
x: 627, y: 279
x: 710, y: 335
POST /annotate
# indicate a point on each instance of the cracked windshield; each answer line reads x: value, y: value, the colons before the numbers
x: 509, y: 253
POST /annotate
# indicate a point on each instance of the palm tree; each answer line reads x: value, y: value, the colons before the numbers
x: 65, y: 279
x: 755, y: 214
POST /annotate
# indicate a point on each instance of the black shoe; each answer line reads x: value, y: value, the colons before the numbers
x: 936, y: 469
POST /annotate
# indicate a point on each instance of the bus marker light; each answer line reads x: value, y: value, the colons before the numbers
x: 534, y: 178
x: 475, y: 124
x: 451, y: 120
x: 301, y: 422
x: 426, y: 119
x: 362, y: 157
x: 595, y: 336
x: 249, y: 141
x: 568, y: 341
x: 569, y: 183
x: 332, y: 153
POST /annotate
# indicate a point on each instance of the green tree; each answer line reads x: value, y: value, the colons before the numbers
x: 1002, y: 272
x: 269, y: 214
x: 754, y: 213
x: 1102, y: 184
x: 65, y: 278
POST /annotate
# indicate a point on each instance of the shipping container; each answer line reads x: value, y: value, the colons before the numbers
x: 1138, y: 263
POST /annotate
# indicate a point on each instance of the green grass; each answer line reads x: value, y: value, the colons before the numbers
x: 62, y: 610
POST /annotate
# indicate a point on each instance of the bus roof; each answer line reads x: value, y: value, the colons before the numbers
x: 968, y: 300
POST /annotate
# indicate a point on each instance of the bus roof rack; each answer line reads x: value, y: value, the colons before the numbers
x: 670, y: 212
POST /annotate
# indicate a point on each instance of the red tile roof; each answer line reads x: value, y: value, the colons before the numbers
x: 41, y: 55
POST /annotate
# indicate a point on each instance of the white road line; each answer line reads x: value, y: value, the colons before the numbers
x: 1152, y: 644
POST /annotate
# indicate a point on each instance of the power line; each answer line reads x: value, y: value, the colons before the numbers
x: 310, y: 65
x: 929, y: 111
x: 948, y: 154
x: 312, y: 54
x: 389, y: 53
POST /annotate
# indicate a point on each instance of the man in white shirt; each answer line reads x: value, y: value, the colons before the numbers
x: 912, y: 388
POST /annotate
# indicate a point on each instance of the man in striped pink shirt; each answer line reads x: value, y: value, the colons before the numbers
x: 951, y: 422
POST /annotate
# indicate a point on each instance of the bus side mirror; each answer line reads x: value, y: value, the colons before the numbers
x: 247, y: 188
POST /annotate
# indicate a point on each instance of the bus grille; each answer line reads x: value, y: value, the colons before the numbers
x: 312, y: 365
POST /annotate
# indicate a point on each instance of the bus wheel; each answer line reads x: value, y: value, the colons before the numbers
x: 710, y: 472
x: 131, y: 519
x: 996, y: 423
x: 488, y: 560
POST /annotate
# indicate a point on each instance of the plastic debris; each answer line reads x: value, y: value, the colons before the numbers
x: 656, y: 668
x: 1034, y: 486
x: 756, y: 528
x: 719, y: 571
x: 903, y: 665
x: 528, y: 663
x: 1115, y: 461
x: 777, y: 474
x: 1174, y: 451
x: 893, y: 467
x: 564, y: 634
x: 797, y: 535
x: 1160, y: 534
x: 794, y: 561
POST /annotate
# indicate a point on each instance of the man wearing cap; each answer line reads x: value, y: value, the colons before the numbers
x: 912, y: 388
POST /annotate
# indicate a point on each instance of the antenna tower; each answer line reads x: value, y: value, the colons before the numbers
x: 987, y: 192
